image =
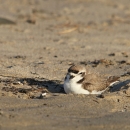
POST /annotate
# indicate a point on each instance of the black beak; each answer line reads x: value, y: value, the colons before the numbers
x: 71, y: 76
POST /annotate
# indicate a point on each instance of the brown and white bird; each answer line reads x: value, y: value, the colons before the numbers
x: 80, y: 80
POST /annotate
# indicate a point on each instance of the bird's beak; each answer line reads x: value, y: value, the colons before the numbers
x: 71, y: 76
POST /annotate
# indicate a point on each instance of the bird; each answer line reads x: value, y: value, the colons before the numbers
x: 82, y: 80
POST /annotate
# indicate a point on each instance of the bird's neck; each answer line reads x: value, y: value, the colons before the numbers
x: 77, y: 79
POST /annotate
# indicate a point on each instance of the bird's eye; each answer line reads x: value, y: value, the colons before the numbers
x: 81, y: 73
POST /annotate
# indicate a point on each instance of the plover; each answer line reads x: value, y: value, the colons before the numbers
x: 81, y: 80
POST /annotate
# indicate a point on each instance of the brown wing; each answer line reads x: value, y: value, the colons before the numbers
x: 95, y: 82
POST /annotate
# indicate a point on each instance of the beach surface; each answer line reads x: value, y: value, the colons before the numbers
x: 40, y: 40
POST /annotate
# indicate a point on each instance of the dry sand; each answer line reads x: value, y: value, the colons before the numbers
x: 39, y: 40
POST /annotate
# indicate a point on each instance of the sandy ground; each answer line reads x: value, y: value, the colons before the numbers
x: 40, y: 40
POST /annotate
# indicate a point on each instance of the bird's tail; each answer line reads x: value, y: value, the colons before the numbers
x: 112, y: 79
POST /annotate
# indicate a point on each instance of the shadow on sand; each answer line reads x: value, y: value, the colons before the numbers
x: 120, y: 86
x: 53, y: 86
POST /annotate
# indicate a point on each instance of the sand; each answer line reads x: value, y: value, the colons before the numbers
x: 40, y: 40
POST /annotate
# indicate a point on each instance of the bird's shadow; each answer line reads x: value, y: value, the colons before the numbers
x: 120, y: 86
x: 56, y: 86
x: 53, y: 86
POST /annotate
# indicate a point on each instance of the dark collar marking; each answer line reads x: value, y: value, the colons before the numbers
x: 81, y: 80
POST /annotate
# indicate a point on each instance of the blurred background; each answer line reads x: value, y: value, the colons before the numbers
x: 41, y: 37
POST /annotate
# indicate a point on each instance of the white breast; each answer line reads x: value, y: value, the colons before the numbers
x: 71, y: 86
